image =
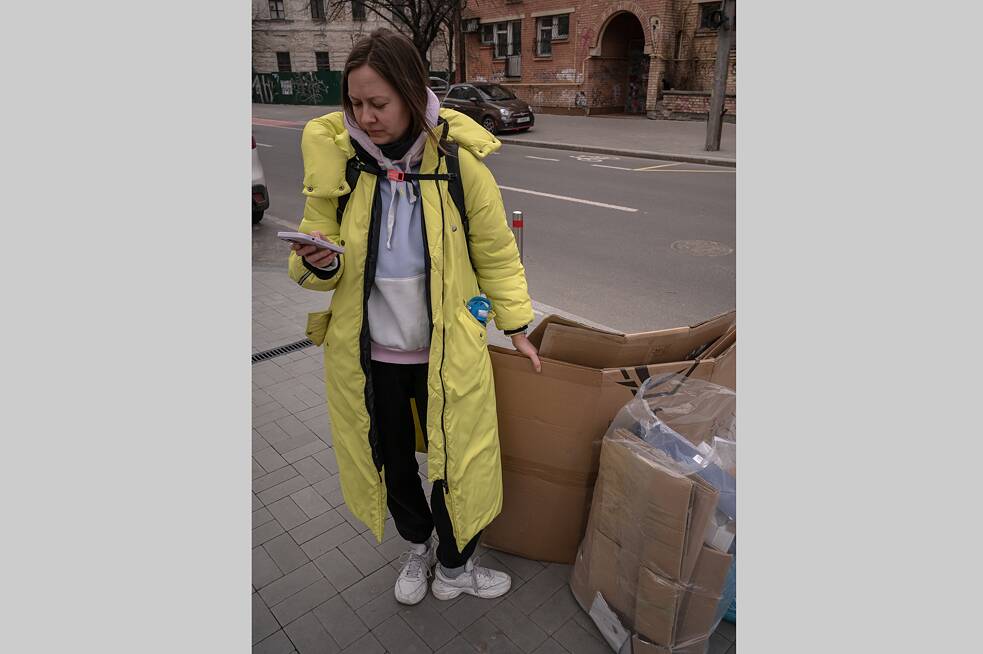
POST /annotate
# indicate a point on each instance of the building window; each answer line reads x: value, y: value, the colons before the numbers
x: 321, y: 58
x: 504, y: 36
x: 358, y: 10
x: 707, y: 10
x: 276, y: 10
x: 283, y: 62
x: 317, y: 9
x: 549, y: 29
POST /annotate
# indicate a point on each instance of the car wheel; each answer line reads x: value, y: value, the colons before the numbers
x: 488, y: 123
x: 257, y: 215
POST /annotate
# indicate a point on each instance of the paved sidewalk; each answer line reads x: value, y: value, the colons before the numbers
x: 670, y: 140
x: 321, y: 583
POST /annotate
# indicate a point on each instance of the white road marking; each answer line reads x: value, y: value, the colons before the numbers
x: 264, y: 145
x: 569, y: 199
x: 612, y: 167
x: 668, y: 165
x: 528, y: 156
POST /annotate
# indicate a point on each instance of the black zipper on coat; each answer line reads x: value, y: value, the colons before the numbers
x: 365, y: 346
x: 443, y: 327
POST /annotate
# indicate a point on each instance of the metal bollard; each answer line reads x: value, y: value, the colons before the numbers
x: 517, y: 230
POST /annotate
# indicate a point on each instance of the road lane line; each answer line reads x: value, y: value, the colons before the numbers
x: 613, y: 167
x: 264, y: 145
x: 569, y: 199
x: 540, y: 158
x: 668, y: 165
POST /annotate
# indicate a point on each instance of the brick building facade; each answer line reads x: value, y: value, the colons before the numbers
x: 595, y: 56
x: 310, y: 35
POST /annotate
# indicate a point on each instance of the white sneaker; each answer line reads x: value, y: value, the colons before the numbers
x: 411, y: 585
x: 475, y: 580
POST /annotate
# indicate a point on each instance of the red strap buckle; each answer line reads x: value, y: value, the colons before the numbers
x: 396, y: 175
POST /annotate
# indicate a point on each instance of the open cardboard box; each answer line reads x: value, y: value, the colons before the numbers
x: 551, y: 424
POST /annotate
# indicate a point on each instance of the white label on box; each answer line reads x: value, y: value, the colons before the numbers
x: 719, y: 537
x: 699, y: 459
x: 608, y: 623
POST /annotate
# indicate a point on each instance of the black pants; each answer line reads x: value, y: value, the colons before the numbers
x: 395, y: 386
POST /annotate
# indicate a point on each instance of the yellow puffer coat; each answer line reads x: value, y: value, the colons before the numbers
x: 462, y: 428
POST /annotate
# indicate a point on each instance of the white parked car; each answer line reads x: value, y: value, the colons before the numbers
x: 261, y: 198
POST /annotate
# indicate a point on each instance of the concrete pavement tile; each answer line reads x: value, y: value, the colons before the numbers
x: 389, y: 530
x: 304, y: 451
x: 564, y: 570
x: 327, y: 459
x: 365, y: 558
x: 303, y: 366
x: 578, y: 641
x: 269, y: 459
x: 392, y: 549
x: 329, y: 540
x: 261, y: 517
x: 310, y: 502
x: 486, y: 637
x: 285, y: 553
x: 312, y: 413
x: 309, y: 397
x: 457, y: 646
x: 292, y: 426
x: 357, y: 524
x: 361, y: 593
x: 284, y: 447
x: 265, y: 570
x: 309, y: 636
x: 335, y: 498
x: 732, y: 649
x: 718, y: 644
x: 428, y: 624
x: 555, y: 611
x: 311, y: 470
x: 266, y: 532
x: 311, y: 528
x: 261, y: 397
x: 269, y: 415
x: 367, y: 644
x: 274, y: 478
x: 550, y: 646
x: 303, y: 601
x: 321, y: 428
x: 328, y: 485
x: 531, y: 595
x: 283, y: 489
x: 587, y: 623
x: 259, y: 443
x: 395, y: 636
x: 469, y: 609
x: 521, y: 630
x: 278, y: 643
x: 257, y: 504
x: 379, y: 609
x: 287, y: 513
x: 524, y: 568
x: 271, y: 432
x: 337, y: 569
x: 264, y: 624
x: 728, y: 630
x: 340, y: 621
x: 289, y: 584
x: 258, y: 470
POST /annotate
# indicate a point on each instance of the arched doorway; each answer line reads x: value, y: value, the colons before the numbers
x: 623, y: 66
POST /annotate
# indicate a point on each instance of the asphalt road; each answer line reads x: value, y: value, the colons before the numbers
x: 631, y: 249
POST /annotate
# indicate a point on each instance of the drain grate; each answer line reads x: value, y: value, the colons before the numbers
x: 280, y: 351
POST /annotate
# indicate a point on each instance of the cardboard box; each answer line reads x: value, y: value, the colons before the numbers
x: 644, y: 550
x: 551, y: 424
x: 640, y: 646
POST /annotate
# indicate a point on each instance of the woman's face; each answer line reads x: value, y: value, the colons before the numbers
x: 378, y: 108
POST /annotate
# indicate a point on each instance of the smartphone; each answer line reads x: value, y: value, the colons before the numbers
x: 307, y: 239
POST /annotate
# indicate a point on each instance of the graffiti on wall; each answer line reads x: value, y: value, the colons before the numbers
x: 318, y: 88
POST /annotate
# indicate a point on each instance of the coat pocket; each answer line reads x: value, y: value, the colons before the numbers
x: 317, y: 326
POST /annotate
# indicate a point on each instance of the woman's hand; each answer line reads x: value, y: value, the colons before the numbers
x: 317, y: 257
x: 521, y: 343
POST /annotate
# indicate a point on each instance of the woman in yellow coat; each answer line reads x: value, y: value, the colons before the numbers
x: 399, y: 335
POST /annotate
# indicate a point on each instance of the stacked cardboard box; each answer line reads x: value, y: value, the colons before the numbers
x: 551, y: 424
x: 644, y: 552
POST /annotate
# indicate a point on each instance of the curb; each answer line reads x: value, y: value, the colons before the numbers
x: 641, y: 154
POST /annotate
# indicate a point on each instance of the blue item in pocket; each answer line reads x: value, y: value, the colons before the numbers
x: 479, y: 307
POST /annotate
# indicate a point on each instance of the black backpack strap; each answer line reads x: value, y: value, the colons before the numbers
x: 353, y: 171
x: 456, y: 184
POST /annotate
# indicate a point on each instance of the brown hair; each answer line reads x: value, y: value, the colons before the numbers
x: 394, y: 57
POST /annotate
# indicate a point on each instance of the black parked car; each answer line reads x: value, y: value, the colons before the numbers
x: 492, y: 105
